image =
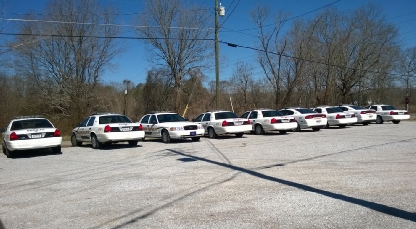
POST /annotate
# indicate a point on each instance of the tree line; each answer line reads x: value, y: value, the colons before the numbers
x: 59, y: 57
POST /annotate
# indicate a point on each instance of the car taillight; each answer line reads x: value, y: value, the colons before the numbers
x: 140, y: 127
x: 338, y: 116
x: 392, y: 113
x: 224, y: 123
x: 308, y: 116
x: 57, y: 133
x: 107, y: 128
x: 406, y: 112
x: 13, y: 136
x: 248, y: 121
x: 294, y: 120
x: 273, y: 120
x: 353, y: 115
x: 363, y: 112
x: 323, y: 116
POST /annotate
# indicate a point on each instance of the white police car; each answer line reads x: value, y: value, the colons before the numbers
x: 306, y: 118
x: 336, y: 117
x: 269, y: 120
x: 222, y: 123
x: 170, y: 125
x: 106, y: 128
x: 388, y: 113
x: 28, y: 133
x: 364, y: 115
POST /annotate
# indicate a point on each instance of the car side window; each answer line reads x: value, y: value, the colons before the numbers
x: 199, y: 118
x: 253, y: 115
x: 319, y: 110
x: 207, y: 117
x: 145, y: 119
x: 288, y: 112
x: 373, y: 107
x: 91, y: 121
x: 245, y: 115
x: 343, y: 108
x: 84, y: 123
x: 153, y: 119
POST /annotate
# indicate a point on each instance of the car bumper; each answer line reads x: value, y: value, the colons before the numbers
x: 120, y: 136
x: 343, y: 121
x: 366, y: 118
x: 186, y: 133
x: 31, y: 144
x: 313, y: 123
x: 280, y: 126
x: 232, y: 129
x: 395, y: 117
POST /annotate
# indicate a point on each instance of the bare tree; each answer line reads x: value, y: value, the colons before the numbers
x: 242, y: 83
x: 178, y: 34
x: 157, y: 90
x: 64, y: 53
x: 407, y: 69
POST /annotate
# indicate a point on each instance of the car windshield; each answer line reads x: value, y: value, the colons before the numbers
x: 358, y: 107
x: 170, y: 118
x: 305, y: 111
x: 30, y: 124
x: 271, y: 113
x: 388, y: 108
x: 114, y: 119
x: 225, y: 115
x: 331, y: 110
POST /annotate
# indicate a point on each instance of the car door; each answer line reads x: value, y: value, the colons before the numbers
x: 206, y: 121
x: 153, y: 126
x: 145, y: 125
x: 253, y: 117
x: 89, y: 129
x: 81, y: 132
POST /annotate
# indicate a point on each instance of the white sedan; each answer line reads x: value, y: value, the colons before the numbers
x: 337, y: 117
x: 106, y: 128
x: 306, y: 118
x: 28, y: 133
x: 364, y: 115
x: 168, y: 125
x: 263, y: 120
x: 388, y: 113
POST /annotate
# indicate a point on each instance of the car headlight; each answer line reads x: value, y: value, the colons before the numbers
x: 176, y: 128
x: 200, y: 127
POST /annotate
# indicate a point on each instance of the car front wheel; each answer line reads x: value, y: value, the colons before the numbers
x: 379, y: 120
x: 133, y: 143
x: 165, y: 136
x: 211, y: 133
x: 74, y: 141
x: 258, y: 129
x: 396, y: 121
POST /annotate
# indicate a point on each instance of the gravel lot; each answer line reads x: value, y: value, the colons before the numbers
x: 354, y: 177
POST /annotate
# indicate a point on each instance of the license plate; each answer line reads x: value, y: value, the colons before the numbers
x: 347, y: 116
x: 238, y: 123
x: 125, y: 129
x: 370, y: 116
x: 193, y: 133
x: 318, y: 121
x: 400, y: 113
x: 285, y: 120
x: 36, y: 135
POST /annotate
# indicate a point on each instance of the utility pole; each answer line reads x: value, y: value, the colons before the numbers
x: 219, y: 10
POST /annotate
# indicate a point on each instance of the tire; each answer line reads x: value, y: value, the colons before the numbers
x: 165, y: 136
x: 379, y: 120
x: 211, y: 133
x: 74, y: 141
x: 133, y: 143
x: 143, y: 139
x: 342, y: 126
x: 6, y: 151
x: 297, y: 128
x: 396, y: 121
x: 316, y: 129
x: 365, y: 124
x: 239, y: 135
x: 196, y: 139
x: 282, y: 131
x: 258, y: 129
x: 95, y: 143
x: 56, y: 150
x: 326, y: 126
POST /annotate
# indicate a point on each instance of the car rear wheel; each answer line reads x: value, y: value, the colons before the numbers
x: 316, y: 129
x: 342, y: 126
x: 258, y: 129
x: 56, y: 149
x: 365, y: 123
x: 133, y: 143
x: 326, y: 126
x: 196, y: 139
x: 282, y: 131
x: 297, y: 128
x: 211, y: 133
x: 379, y: 120
x: 396, y: 121
x: 74, y: 141
x: 95, y: 143
x: 239, y: 135
x: 165, y: 136
x: 6, y: 151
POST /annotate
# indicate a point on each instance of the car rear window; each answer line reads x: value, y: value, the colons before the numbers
x: 114, y: 119
x: 271, y: 113
x: 305, y: 111
x: 331, y: 110
x: 388, y: 108
x: 358, y: 107
x: 225, y: 115
x: 30, y: 124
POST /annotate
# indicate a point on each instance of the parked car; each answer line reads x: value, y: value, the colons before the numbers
x: 106, y: 128
x: 170, y: 125
x: 364, y: 115
x: 389, y: 113
x: 222, y: 122
x: 29, y: 133
x: 263, y: 120
x: 336, y: 117
x: 306, y: 118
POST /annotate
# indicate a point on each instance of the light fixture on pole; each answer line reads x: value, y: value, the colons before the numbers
x: 218, y: 11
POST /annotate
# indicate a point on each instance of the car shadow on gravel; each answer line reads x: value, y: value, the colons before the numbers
x: 116, y: 146
x: 34, y: 153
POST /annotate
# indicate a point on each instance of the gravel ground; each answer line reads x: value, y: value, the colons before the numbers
x: 354, y: 177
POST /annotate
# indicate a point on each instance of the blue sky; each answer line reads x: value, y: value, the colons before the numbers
x: 133, y: 65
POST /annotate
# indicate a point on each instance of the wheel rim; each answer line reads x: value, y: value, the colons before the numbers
x: 94, y: 142
x: 165, y: 136
x: 258, y: 129
x: 211, y: 133
x: 73, y: 140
